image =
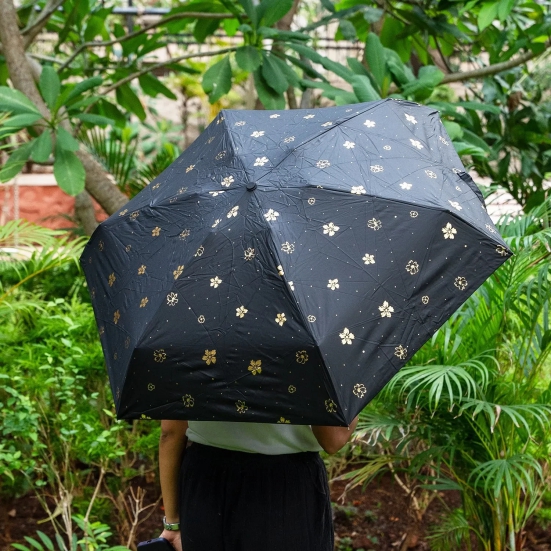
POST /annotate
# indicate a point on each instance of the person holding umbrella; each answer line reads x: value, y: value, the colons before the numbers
x: 245, y: 487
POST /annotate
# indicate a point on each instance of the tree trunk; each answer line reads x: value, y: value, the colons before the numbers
x: 84, y: 212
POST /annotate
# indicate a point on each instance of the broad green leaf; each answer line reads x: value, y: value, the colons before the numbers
x: 204, y: 28
x: 217, y: 79
x: 363, y: 89
x: 99, y: 120
x: 473, y: 139
x: 288, y: 71
x: 271, y: 11
x: 401, y: 72
x: 328, y: 5
x: 248, y: 58
x: 276, y: 34
x: 68, y: 171
x: 152, y: 86
x: 230, y: 26
x: 267, y: 95
x: 65, y: 141
x: 273, y: 75
x: 16, y: 162
x: 337, y: 68
x: 376, y: 58
x: 84, y: 86
x: 42, y: 147
x: 480, y: 106
x: 250, y: 11
x: 329, y: 91
x: 346, y: 31
x: 487, y: 14
x: 21, y: 121
x: 453, y: 129
x: 128, y: 99
x: 49, y: 86
x: 16, y: 102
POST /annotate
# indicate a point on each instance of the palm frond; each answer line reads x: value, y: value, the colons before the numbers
x: 450, y: 532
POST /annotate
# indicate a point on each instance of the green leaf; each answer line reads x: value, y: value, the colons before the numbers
x: 230, y: 26
x: 68, y: 171
x: 16, y: 102
x: 268, y: 32
x: 204, y: 28
x: 217, y: 79
x: 271, y: 11
x: 328, y: 5
x: 152, y: 86
x: 337, y: 68
x: 267, y: 95
x: 16, y: 162
x: 363, y: 89
x: 84, y: 86
x: 476, y: 106
x: 248, y: 58
x: 42, y: 147
x: 99, y: 120
x: 65, y: 141
x: 376, y: 58
x: 49, y: 86
x: 21, y: 121
x: 250, y: 11
x: 453, y: 129
x: 487, y: 14
x: 347, y: 30
x: 273, y: 75
x: 127, y: 99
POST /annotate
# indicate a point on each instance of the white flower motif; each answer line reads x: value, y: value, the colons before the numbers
x: 416, y: 143
x: 289, y: 139
x: 309, y: 117
x: 413, y: 213
x: 330, y: 406
x: 387, y: 147
x: 401, y: 352
x: 358, y: 190
x: 455, y: 205
x: 257, y: 134
x: 261, y: 161
x: 241, y: 407
x: 184, y: 234
x: 240, y: 312
x: 200, y: 251
x: 346, y: 336
x: 271, y: 215
x: 249, y: 254
x: 445, y: 142
x: 376, y: 168
x: 240, y: 123
x: 215, y: 193
x: 490, y: 228
x: 288, y: 247
x: 460, y: 283
x: 330, y: 229
x: 430, y: 173
x: 172, y: 299
x: 359, y: 390
x: 275, y: 116
x: 291, y: 285
x: 233, y: 211
x: 349, y: 145
x: 333, y: 284
x: 369, y: 124
x: 458, y: 188
x: 386, y: 310
x: 412, y: 267
x: 374, y: 224
x: 323, y: 163
x: 201, y: 319
x: 411, y: 118
x: 456, y: 170
x: 216, y: 222
x: 311, y: 201
x: 425, y: 299
x: 449, y: 231
x: 215, y: 281
x: 405, y: 185
x: 311, y: 318
x: 280, y: 271
x: 210, y: 140
x: 220, y: 155
x: 369, y: 259
x: 280, y: 319
x: 327, y: 123
x: 501, y: 250
x: 227, y: 181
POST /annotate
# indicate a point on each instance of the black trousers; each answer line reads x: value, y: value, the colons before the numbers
x: 236, y: 501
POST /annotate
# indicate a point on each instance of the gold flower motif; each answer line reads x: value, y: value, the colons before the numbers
x: 311, y: 318
x: 141, y: 269
x: 369, y: 259
x: 93, y: 292
x: 359, y: 390
x: 178, y: 272
x: 184, y: 234
x: 190, y: 168
x: 220, y: 155
x: 249, y: 254
x: 330, y: 229
x: 289, y: 139
x: 172, y: 299
x: 150, y: 387
x: 374, y: 224
x: 376, y: 168
x: 215, y: 281
x: 182, y: 190
x: 401, y: 352
x: 216, y: 222
x: 127, y: 248
x: 330, y: 406
x: 358, y: 190
x: 445, y: 142
x: 144, y: 416
x: 460, y: 283
x: 292, y: 389
x: 302, y: 357
x: 430, y: 174
x: 173, y: 200
x: 123, y: 212
x: 200, y: 251
x: 115, y: 356
x: 135, y: 214
x: 501, y: 250
x: 260, y: 161
x: 280, y: 319
x: 127, y: 342
x: 333, y: 284
x: 412, y: 267
x: 210, y: 140
x: 291, y: 285
x: 240, y: 312
x: 257, y: 134
x: 346, y: 336
x: 101, y: 244
x: 311, y: 201
x: 449, y: 231
x: 324, y: 163
x: 219, y: 120
x: 413, y: 213
x: 386, y: 310
x: 227, y: 181
x: 155, y: 231
x: 116, y: 317
x: 201, y: 319
x: 188, y: 400
x: 490, y: 228
x: 271, y: 215
x: 288, y: 247
x: 159, y: 355
x: 282, y: 420
x: 455, y: 205
x: 280, y: 271
x: 111, y: 279
x: 101, y: 330
x: 156, y: 185
x: 255, y: 367
x: 144, y: 302
x: 240, y: 123
x: 240, y: 406
x: 425, y: 299
x: 210, y: 357
x: 233, y: 212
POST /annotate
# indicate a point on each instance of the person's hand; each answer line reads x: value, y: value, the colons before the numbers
x: 174, y: 537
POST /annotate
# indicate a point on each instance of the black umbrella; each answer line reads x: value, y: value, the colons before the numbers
x: 287, y: 264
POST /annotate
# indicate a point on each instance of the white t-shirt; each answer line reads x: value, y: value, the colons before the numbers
x: 254, y: 437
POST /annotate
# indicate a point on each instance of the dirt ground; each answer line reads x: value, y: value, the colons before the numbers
x: 372, y: 519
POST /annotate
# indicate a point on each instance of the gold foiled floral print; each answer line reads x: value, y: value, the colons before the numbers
x: 414, y: 214
x: 127, y: 342
x: 101, y: 330
x: 156, y: 231
x: 330, y: 406
x: 190, y: 168
x: 330, y: 229
x: 292, y: 389
x: 369, y: 259
x: 151, y: 387
x: 374, y: 224
x: 123, y: 212
x: 280, y: 319
x: 172, y: 299
x: 359, y: 390
x: 249, y: 254
x: 401, y: 352
x: 302, y: 357
x: 386, y: 310
x: 200, y: 251
x: 425, y: 299
x: 156, y: 186
x: 201, y: 319
x: 241, y: 406
x: 333, y: 284
x: 346, y: 336
x: 449, y: 231
x: 141, y: 269
x: 460, y: 283
x: 135, y: 214
x: 210, y: 357
x: 100, y: 245
x: 240, y: 312
x: 184, y: 234
x: 412, y: 267
x: 311, y: 318
x: 501, y: 251
x: 178, y: 272
x: 288, y: 247
x: 112, y: 278
x: 143, y: 302
x: 159, y: 355
x: 282, y: 420
x: 255, y: 367
x: 188, y: 400
x: 144, y: 416
x: 116, y: 317
x: 215, y: 281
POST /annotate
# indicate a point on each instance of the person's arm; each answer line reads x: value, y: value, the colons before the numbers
x: 171, y: 448
x: 332, y: 439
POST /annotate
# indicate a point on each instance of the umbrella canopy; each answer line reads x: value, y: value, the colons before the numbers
x: 287, y: 264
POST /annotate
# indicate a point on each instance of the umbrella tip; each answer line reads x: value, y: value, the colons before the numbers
x: 251, y: 186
